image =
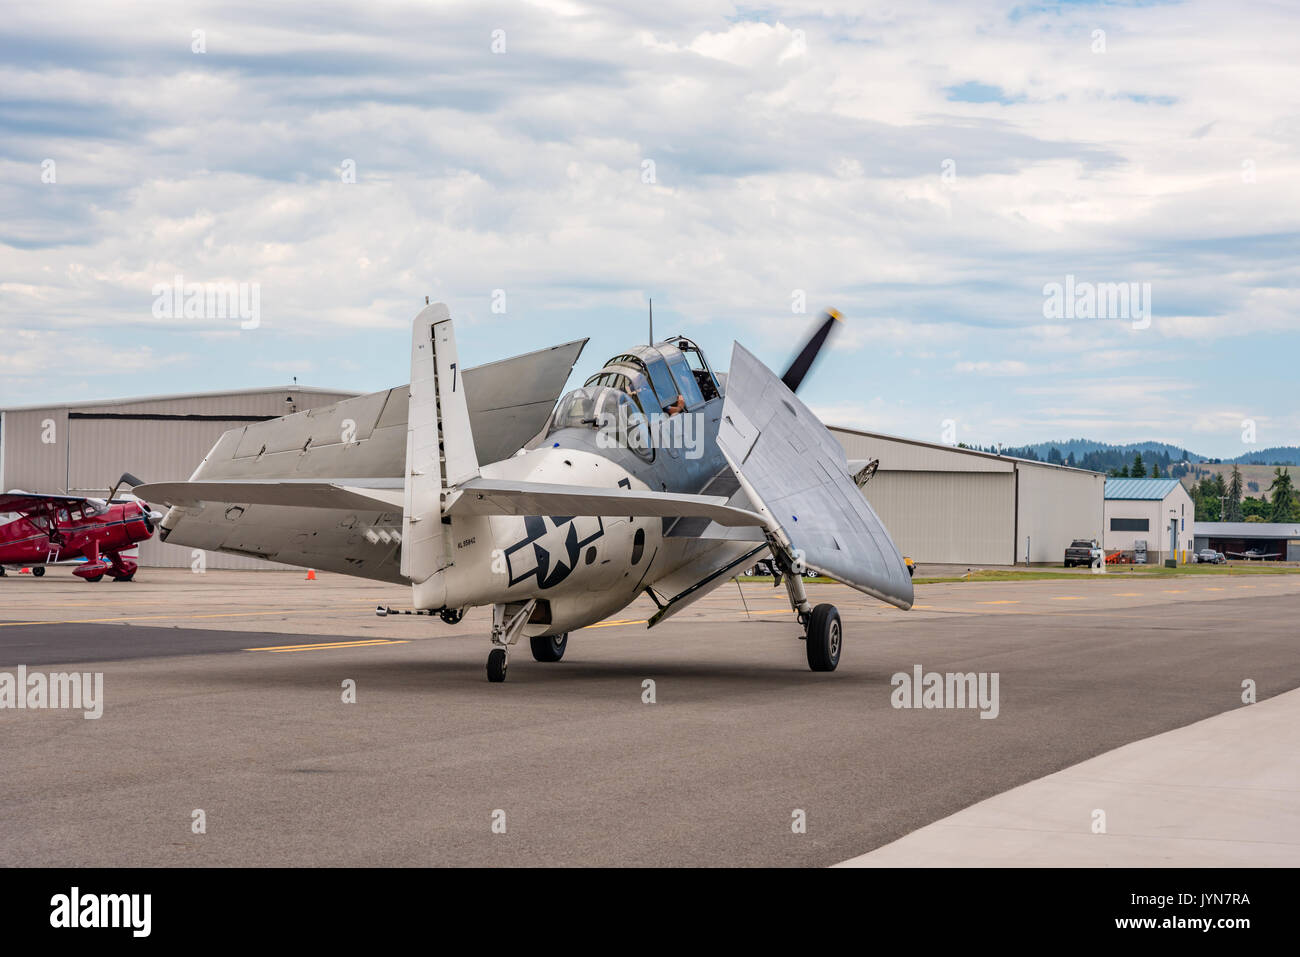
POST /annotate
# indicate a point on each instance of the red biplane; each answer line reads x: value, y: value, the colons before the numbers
x: 59, y: 528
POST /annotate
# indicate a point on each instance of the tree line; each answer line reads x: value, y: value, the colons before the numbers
x: 1220, y: 501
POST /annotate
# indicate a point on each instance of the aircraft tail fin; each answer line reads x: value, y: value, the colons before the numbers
x: 439, y: 451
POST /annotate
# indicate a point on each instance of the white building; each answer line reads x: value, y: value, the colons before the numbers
x: 949, y: 505
x: 1154, y: 511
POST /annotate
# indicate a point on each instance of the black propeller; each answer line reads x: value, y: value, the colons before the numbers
x: 808, y: 355
x: 126, y: 479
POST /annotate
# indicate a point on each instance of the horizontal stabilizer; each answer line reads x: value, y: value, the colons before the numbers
x: 482, y: 496
x: 381, y: 495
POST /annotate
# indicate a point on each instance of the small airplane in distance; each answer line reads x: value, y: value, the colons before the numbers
x: 1254, y: 554
x: 62, y: 528
x: 658, y: 477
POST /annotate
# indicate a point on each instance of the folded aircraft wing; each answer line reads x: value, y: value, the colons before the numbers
x: 796, y: 474
x: 347, y: 494
x: 509, y: 401
x: 483, y: 496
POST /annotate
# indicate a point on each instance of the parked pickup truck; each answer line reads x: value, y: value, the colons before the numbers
x: 1080, y: 552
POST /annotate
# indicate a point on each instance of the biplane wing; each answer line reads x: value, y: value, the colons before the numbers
x: 27, y: 503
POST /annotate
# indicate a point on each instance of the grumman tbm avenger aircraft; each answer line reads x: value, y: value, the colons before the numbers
x: 476, y: 487
x: 61, y: 528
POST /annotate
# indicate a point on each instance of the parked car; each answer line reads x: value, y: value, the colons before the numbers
x: 1209, y: 556
x: 1080, y: 552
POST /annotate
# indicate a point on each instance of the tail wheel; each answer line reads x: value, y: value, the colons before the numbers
x: 496, y: 665
x: 550, y: 647
x: 825, y: 638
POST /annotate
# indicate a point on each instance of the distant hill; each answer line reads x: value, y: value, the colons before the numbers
x: 1277, y: 455
x: 1103, y: 456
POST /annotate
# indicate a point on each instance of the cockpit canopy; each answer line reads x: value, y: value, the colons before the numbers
x: 657, y: 376
x: 636, y: 389
x: 611, y: 411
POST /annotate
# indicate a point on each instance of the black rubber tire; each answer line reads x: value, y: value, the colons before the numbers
x: 825, y: 638
x: 99, y: 577
x: 496, y: 665
x: 124, y: 578
x: 38, y: 570
x: 2, y: 571
x: 549, y: 647
x: 452, y: 616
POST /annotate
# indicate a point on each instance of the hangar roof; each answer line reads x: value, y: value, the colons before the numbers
x: 1273, y: 530
x: 992, y: 459
x: 1154, y: 490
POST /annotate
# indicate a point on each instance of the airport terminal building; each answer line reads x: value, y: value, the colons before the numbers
x: 83, y: 447
x: 949, y: 505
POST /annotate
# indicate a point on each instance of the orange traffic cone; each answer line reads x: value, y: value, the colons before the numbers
x: 311, y: 574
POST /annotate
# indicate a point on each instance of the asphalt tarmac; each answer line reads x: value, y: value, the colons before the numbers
x: 224, y: 693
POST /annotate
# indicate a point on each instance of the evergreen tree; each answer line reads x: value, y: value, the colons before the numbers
x: 1139, y: 470
x: 1281, y: 496
x: 1234, y: 497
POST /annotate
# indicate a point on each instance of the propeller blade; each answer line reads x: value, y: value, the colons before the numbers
x: 126, y: 479
x: 808, y: 355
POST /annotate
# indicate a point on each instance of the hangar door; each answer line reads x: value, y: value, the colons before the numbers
x: 948, y: 517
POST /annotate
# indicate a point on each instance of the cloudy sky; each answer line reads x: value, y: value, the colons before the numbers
x: 546, y: 167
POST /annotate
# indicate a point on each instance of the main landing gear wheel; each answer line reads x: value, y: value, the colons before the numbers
x: 452, y: 616
x: 496, y: 665
x: 825, y: 636
x: 38, y: 570
x: 96, y: 578
x: 125, y: 578
x: 549, y: 648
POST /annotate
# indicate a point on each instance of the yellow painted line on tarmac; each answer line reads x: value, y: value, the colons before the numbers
x: 1068, y: 598
x: 1005, y: 601
x: 1128, y: 594
x: 1175, y: 591
x: 329, y: 645
x: 611, y: 624
x: 96, y: 621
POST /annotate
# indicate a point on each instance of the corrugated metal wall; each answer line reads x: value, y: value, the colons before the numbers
x: 949, y: 517
x: 952, y: 506
x: 88, y: 453
x: 1056, y: 507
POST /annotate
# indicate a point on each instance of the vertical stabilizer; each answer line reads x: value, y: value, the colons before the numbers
x: 439, y: 451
